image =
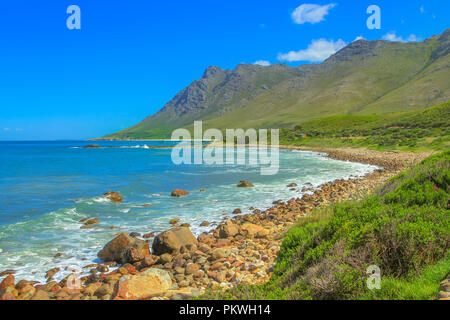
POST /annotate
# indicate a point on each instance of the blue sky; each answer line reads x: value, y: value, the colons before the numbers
x: 130, y: 57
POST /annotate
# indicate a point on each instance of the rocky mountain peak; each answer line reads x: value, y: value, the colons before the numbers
x: 211, y: 71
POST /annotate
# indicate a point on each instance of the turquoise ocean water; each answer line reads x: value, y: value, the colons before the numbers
x: 47, y: 187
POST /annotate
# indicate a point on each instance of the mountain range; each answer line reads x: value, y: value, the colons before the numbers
x: 363, y: 78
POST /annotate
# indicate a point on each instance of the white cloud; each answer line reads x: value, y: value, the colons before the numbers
x: 312, y: 13
x: 392, y: 36
x: 6, y: 129
x: 317, y: 51
x: 263, y: 63
x: 358, y: 38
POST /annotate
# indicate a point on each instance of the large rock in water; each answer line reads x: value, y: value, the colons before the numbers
x: 245, y: 184
x: 147, y: 284
x: 173, y: 240
x: 179, y: 193
x: 113, y: 196
x: 123, y: 249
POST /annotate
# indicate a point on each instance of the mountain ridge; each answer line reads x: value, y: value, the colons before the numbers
x: 365, y: 77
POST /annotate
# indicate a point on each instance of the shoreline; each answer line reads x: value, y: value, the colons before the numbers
x: 240, y: 250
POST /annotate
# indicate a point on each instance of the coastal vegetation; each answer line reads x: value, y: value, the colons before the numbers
x: 427, y: 129
x: 403, y: 228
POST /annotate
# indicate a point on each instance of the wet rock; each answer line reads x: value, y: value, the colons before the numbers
x: 91, y: 146
x: 245, y: 184
x: 50, y: 273
x: 91, y: 221
x: 149, y: 235
x: 291, y: 185
x: 202, y: 190
x: 179, y: 193
x: 6, y: 272
x: 118, y: 249
x: 173, y: 221
x: 134, y: 234
x: 173, y: 240
x: 204, y: 224
x: 113, y: 196
x: 148, y: 284
x: 7, y: 282
x: 237, y: 211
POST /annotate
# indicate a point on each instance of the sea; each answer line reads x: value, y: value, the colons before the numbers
x: 47, y: 187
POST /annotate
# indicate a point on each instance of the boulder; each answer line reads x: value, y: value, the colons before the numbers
x: 123, y: 249
x: 204, y: 224
x: 237, y: 211
x: 91, y: 221
x: 291, y: 185
x: 179, y: 193
x: 245, y: 184
x: 251, y: 230
x: 228, y: 229
x: 7, y: 282
x: 173, y: 240
x: 146, y: 285
x: 173, y: 221
x: 113, y: 196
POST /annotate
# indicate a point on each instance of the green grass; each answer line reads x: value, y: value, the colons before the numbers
x: 418, y: 130
x: 403, y: 228
x: 421, y: 287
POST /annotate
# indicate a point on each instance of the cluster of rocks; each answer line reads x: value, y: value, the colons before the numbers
x: 179, y: 265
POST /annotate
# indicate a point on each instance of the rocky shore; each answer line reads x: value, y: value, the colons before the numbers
x: 180, y: 265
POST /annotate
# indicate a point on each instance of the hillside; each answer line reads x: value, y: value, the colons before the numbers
x: 412, y: 130
x: 364, y: 78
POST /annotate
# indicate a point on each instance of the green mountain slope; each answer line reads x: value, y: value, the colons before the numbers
x: 364, y: 78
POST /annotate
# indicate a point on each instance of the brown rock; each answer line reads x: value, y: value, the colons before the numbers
x: 173, y: 240
x: 204, y: 224
x: 179, y: 193
x: 113, y: 196
x: 237, y: 211
x: 192, y: 268
x: 7, y: 282
x: 218, y: 253
x: 173, y: 221
x: 118, y: 249
x: 149, y: 235
x: 91, y: 146
x: 245, y: 184
x: 148, y: 284
x: 228, y: 229
x: 91, y: 221
x: 165, y: 258
x: 250, y: 230
x: 6, y: 272
x: 41, y: 295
